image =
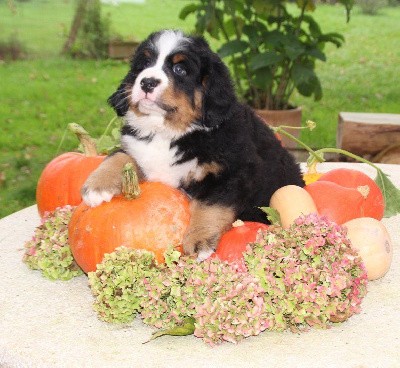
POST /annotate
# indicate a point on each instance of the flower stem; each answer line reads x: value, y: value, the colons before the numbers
x: 351, y: 155
x: 318, y: 155
x: 281, y: 130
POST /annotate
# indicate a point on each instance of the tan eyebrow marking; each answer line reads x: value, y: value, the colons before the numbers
x: 177, y: 58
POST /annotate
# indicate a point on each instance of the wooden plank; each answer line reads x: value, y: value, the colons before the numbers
x: 367, y: 133
x: 122, y: 50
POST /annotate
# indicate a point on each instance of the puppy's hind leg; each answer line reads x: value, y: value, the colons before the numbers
x: 106, y: 181
x: 207, y: 224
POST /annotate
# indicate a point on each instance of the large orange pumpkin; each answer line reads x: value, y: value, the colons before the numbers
x: 338, y: 203
x: 62, y: 179
x: 373, y: 204
x: 154, y: 221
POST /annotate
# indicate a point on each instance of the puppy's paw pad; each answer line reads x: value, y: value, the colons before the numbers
x: 94, y: 198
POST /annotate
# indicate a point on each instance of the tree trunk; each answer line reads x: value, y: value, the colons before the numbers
x: 76, y: 24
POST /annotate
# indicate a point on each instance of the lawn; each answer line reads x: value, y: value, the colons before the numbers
x: 40, y: 96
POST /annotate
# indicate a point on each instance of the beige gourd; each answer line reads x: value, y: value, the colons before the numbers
x: 292, y: 201
x: 372, y: 241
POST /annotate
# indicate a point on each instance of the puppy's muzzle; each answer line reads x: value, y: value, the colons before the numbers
x: 149, y: 84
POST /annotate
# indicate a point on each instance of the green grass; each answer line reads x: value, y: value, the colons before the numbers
x: 360, y: 76
x: 40, y: 96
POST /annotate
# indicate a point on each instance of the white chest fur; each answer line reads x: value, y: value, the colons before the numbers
x: 157, y: 159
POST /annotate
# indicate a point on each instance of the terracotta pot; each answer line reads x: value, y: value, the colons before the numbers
x: 291, y: 117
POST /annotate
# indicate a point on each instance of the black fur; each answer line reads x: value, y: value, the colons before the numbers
x: 254, y: 164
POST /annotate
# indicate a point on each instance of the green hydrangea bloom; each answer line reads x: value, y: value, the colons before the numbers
x: 118, y: 283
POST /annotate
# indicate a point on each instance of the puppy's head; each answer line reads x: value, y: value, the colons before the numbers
x: 178, y: 78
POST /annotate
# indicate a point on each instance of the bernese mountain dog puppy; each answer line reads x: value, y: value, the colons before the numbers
x: 185, y: 127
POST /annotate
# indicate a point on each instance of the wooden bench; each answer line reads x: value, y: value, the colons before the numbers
x: 370, y: 134
x: 121, y: 49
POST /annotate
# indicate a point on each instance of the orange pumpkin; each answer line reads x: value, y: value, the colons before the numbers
x: 373, y: 204
x: 154, y: 221
x: 338, y: 203
x: 61, y: 180
x: 234, y: 242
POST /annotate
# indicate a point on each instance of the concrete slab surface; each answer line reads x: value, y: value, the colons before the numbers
x: 52, y: 324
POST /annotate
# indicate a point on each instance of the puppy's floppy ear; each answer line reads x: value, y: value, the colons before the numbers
x: 119, y: 100
x: 219, y: 95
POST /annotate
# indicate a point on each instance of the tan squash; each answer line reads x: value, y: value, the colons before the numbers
x: 372, y: 241
x: 292, y: 201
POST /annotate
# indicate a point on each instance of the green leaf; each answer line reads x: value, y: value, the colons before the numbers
x: 316, y: 53
x: 302, y: 73
x: 187, y: 10
x: 107, y: 144
x: 263, y: 78
x: 313, y: 25
x: 272, y: 215
x: 391, y: 194
x: 336, y: 38
x: 251, y: 32
x: 186, y: 328
x: 275, y: 38
x: 293, y: 48
x: 265, y: 59
x: 234, y: 25
x: 232, y: 47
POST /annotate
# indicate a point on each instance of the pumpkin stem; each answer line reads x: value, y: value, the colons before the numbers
x: 238, y: 223
x: 130, y: 182
x: 87, y: 142
x: 364, y: 190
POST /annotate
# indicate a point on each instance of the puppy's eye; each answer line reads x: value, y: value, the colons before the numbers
x: 146, y: 63
x: 179, y: 69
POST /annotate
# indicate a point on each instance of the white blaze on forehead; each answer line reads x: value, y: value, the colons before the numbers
x: 165, y: 44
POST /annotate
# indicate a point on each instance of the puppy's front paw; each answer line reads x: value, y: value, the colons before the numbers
x: 106, y: 181
x: 93, y: 198
x: 207, y: 224
x: 195, y: 243
x: 98, y: 189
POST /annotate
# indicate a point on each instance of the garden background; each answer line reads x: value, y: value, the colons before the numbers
x: 43, y: 92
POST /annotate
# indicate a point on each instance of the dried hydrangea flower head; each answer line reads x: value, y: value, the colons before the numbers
x: 227, y: 305
x: 307, y: 275
x: 48, y: 250
x: 118, y: 283
x: 310, y: 273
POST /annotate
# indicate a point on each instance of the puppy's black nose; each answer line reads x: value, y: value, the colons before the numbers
x: 148, y: 84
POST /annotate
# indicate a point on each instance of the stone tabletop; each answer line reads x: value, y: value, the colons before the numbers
x: 51, y: 324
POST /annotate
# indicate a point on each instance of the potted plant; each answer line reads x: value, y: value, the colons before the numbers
x: 272, y: 46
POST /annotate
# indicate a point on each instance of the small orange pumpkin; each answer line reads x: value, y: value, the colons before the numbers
x: 62, y: 178
x: 233, y: 243
x: 154, y: 221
